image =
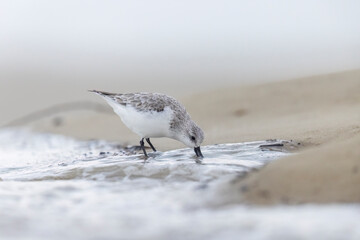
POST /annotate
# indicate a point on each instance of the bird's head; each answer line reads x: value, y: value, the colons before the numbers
x: 192, y: 136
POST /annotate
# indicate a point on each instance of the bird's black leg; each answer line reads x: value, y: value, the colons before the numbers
x: 142, y: 145
x: 148, y: 140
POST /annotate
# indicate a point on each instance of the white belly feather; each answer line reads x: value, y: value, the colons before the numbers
x: 145, y: 124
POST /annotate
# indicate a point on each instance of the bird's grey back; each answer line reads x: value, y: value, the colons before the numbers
x: 157, y: 102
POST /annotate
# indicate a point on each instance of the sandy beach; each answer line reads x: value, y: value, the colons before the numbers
x: 274, y: 87
x: 321, y: 114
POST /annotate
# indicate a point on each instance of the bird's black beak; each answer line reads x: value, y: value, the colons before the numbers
x: 198, y: 152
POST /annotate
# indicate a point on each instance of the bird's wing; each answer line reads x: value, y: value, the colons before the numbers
x: 146, y: 101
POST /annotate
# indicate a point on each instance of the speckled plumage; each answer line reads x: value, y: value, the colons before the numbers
x: 147, y: 102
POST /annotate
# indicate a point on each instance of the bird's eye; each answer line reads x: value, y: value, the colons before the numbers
x: 193, y: 138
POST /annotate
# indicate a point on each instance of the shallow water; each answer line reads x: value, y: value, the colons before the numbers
x: 55, y: 187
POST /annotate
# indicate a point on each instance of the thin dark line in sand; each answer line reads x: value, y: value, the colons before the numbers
x: 63, y: 107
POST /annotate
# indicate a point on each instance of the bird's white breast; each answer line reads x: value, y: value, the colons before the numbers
x: 145, y: 124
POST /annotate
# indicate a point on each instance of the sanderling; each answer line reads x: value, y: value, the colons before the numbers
x: 155, y: 115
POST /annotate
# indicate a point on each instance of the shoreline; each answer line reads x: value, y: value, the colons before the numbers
x: 322, y: 113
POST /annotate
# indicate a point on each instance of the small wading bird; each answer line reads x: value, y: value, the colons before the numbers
x: 155, y: 115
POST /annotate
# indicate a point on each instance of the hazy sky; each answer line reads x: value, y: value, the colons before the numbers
x: 187, y: 40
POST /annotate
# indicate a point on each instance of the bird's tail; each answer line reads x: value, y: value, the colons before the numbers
x: 102, y: 93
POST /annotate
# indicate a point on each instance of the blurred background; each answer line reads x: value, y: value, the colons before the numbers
x: 233, y: 64
x: 54, y: 51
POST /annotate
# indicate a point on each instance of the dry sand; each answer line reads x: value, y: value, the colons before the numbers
x: 322, y: 113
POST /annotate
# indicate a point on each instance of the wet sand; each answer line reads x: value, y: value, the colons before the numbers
x: 330, y: 173
x: 322, y: 113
